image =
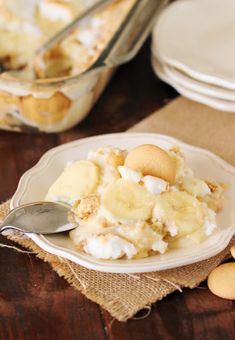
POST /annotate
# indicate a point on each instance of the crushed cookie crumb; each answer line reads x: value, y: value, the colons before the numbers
x: 86, y: 206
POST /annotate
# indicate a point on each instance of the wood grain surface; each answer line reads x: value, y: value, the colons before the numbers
x: 34, y: 302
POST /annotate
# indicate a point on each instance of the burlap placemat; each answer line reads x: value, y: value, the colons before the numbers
x: 125, y: 294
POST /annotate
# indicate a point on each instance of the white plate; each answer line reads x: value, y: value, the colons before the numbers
x: 203, y: 88
x: 36, y: 181
x: 198, y: 37
x: 219, y: 104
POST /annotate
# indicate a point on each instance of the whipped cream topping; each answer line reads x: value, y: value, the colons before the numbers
x: 173, y: 230
x: 89, y: 36
x: 160, y: 246
x: 129, y: 174
x: 109, y: 247
x: 55, y: 11
x: 154, y: 185
x: 210, y: 222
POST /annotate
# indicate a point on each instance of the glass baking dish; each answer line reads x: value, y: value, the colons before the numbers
x: 57, y: 104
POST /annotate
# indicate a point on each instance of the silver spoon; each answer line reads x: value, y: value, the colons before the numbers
x: 39, y: 218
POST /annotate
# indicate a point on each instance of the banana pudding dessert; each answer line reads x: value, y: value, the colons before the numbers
x: 81, y: 48
x: 26, y: 24
x: 38, y: 92
x: 137, y: 203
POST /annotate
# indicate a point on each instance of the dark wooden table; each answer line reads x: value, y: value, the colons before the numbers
x: 34, y: 302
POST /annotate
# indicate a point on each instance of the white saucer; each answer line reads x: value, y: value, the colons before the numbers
x: 219, y: 104
x: 198, y: 37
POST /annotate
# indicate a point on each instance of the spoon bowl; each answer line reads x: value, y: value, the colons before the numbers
x: 39, y: 218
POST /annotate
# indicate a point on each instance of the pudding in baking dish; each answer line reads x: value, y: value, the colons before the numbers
x: 39, y: 94
x: 26, y: 24
x: 136, y: 204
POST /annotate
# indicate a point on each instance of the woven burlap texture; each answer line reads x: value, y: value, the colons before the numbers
x: 123, y: 295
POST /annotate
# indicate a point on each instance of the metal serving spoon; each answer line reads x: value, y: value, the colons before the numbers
x: 39, y: 218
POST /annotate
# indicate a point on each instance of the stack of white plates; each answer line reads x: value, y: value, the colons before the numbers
x: 193, y: 49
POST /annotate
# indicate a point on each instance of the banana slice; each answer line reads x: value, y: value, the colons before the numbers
x: 78, y: 180
x: 180, y: 210
x: 195, y: 186
x: 127, y: 200
x: 187, y: 241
